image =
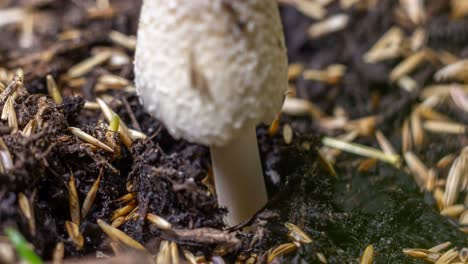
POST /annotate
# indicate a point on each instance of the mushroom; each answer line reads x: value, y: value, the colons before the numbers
x: 211, y: 70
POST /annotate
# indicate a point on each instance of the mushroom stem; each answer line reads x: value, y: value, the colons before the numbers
x: 238, y: 176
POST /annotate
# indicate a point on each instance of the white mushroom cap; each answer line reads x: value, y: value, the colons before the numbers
x: 209, y: 68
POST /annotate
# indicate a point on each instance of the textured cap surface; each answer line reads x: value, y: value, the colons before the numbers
x: 208, y: 68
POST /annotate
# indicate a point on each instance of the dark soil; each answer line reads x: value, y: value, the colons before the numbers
x: 382, y: 206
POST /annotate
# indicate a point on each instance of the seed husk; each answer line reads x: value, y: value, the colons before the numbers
x: 384, y: 143
x: 447, y: 257
x: 454, y: 180
x: 89, y: 200
x: 453, y: 211
x: 189, y: 257
x: 119, y: 236
x: 159, y: 221
x: 423, y: 254
x: 288, y: 134
x: 441, y: 247
x: 164, y: 254
x: 406, y: 137
x: 321, y: 257
x: 123, y: 129
x: 73, y: 200
x: 417, y: 168
x: 445, y: 127
x: 297, y: 234
x: 59, y: 252
x: 89, y: 64
x: 73, y: 231
x: 332, y: 24
x: 123, y: 211
x: 416, y: 129
x: 28, y: 212
x: 174, y: 253
x: 30, y: 128
x: 281, y: 250
x: 128, y: 42
x: 387, y: 47
x: 408, y: 65
x: 89, y: 139
x: 368, y: 255
x: 53, y: 90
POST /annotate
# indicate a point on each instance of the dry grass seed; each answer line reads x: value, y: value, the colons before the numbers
x: 189, y: 257
x: 310, y: 8
x: 128, y: 42
x: 73, y: 200
x: 454, y: 180
x: 453, y: 211
x: 89, y: 64
x: 158, y: 221
x: 119, y: 236
x: 73, y: 231
x: 442, y: 127
x: 280, y: 251
x: 288, y: 134
x: 28, y: 211
x: 89, y: 139
x: 424, y: 254
x: 407, y: 143
x: 330, y: 25
x: 418, y: 169
x: 408, y: 65
x: 384, y: 143
x: 368, y: 255
x: 416, y: 129
x: 89, y: 200
x: 30, y: 128
x: 124, y: 211
x: 58, y: 254
x: 441, y: 247
x: 299, y: 107
x: 164, y: 254
x: 54, y: 90
x: 297, y: 234
x: 447, y: 257
x: 387, y: 47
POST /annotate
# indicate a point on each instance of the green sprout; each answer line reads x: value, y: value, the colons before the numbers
x: 22, y: 247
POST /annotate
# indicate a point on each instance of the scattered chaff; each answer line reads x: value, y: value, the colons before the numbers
x: 422, y: 254
x: 89, y: 64
x: 368, y: 255
x: 332, y: 24
x: 408, y: 65
x: 28, y: 211
x: 128, y: 42
x: 445, y: 127
x: 280, y: 251
x: 294, y: 71
x: 417, y: 168
x: 388, y: 46
x: 331, y: 75
x: 189, y: 257
x: 74, y: 202
x: 159, y: 221
x: 310, y: 8
x: 456, y: 175
x: 123, y: 211
x: 453, y: 72
x: 73, y: 231
x: 288, y: 134
x: 415, y: 10
x: 297, y: 107
x: 89, y: 139
x: 384, y: 143
x: 361, y: 150
x: 30, y: 128
x: 440, y: 247
x: 453, y: 211
x: 58, y: 254
x: 447, y: 257
x: 296, y: 234
x: 6, y: 160
x: 53, y: 90
x: 89, y: 200
x: 164, y: 254
x: 119, y: 236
